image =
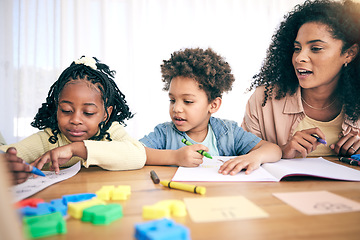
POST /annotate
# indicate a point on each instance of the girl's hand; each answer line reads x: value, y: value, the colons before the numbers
x: 19, y: 170
x: 302, y: 143
x: 235, y: 165
x: 347, y: 145
x: 61, y: 155
x: 188, y: 156
x: 57, y: 157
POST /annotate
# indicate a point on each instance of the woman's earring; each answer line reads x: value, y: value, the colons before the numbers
x: 345, y: 65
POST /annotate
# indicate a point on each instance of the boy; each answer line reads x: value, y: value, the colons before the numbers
x: 196, y: 79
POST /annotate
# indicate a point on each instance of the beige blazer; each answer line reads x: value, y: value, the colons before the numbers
x: 276, y: 121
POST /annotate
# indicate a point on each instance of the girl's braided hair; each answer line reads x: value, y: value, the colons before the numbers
x: 102, y: 77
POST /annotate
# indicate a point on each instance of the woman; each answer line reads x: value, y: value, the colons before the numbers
x: 309, y: 83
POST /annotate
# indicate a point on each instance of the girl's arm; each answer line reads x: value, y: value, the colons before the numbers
x: 124, y: 154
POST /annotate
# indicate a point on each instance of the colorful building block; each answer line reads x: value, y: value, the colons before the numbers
x: 59, y: 206
x: 76, y: 209
x: 105, y: 192
x: 44, y: 208
x: 41, y: 209
x: 30, y: 202
x: 102, y: 214
x: 121, y: 192
x: 165, y: 209
x: 77, y: 197
x: 44, y: 225
x: 162, y: 229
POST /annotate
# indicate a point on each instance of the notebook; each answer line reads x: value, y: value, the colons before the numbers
x: 268, y: 172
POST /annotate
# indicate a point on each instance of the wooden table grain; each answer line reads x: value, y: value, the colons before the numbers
x: 284, y: 222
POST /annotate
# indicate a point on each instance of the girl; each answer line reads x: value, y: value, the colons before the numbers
x: 309, y: 84
x: 81, y: 120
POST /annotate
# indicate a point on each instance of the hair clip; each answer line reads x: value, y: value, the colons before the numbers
x: 87, y: 61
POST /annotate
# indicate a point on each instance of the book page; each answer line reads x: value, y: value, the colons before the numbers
x: 208, y: 172
x: 34, y: 185
x: 317, y: 167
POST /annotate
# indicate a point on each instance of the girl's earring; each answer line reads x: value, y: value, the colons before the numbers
x: 345, y: 65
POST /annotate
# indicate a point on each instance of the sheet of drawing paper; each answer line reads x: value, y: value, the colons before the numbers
x: 318, y: 202
x: 208, y: 172
x: 215, y: 209
x: 34, y: 185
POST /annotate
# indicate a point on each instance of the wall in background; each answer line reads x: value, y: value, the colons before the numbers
x: 40, y: 38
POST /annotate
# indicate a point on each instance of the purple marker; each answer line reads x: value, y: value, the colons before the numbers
x: 320, y: 140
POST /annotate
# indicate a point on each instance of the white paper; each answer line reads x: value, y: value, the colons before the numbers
x: 34, y: 185
x: 317, y: 167
x: 268, y: 172
x: 318, y: 202
x: 208, y: 172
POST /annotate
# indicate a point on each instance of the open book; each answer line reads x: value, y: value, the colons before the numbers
x: 268, y: 172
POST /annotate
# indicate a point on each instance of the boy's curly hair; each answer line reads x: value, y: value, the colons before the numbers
x: 102, y: 78
x: 209, y: 69
x: 277, y: 73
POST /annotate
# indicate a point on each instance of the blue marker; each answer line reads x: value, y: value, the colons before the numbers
x: 36, y: 171
x: 320, y: 140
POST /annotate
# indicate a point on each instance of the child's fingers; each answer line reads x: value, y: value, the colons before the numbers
x: 20, y: 177
x: 55, y: 162
x: 251, y: 167
x: 40, y: 162
x: 197, y: 161
x: 19, y: 167
x: 232, y: 167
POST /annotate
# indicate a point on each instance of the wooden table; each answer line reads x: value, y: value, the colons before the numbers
x: 284, y: 222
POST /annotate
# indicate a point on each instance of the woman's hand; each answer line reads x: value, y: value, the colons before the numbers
x: 302, y: 143
x: 347, y: 145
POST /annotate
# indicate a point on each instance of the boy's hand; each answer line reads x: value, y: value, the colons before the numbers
x: 235, y: 165
x: 188, y: 156
x: 19, y: 170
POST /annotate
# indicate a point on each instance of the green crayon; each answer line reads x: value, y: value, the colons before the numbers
x: 202, y: 152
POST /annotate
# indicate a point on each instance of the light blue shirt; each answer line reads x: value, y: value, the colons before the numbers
x: 209, y: 141
x: 231, y: 140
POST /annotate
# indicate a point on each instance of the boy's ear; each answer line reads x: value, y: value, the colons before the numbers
x: 215, y: 105
x: 352, y: 52
x: 109, y: 109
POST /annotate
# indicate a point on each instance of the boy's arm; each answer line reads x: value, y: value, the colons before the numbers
x: 186, y: 156
x: 266, y: 152
x: 262, y: 152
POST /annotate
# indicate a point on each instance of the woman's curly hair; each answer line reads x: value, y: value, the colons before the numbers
x: 209, y: 69
x: 277, y: 73
x: 102, y: 78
